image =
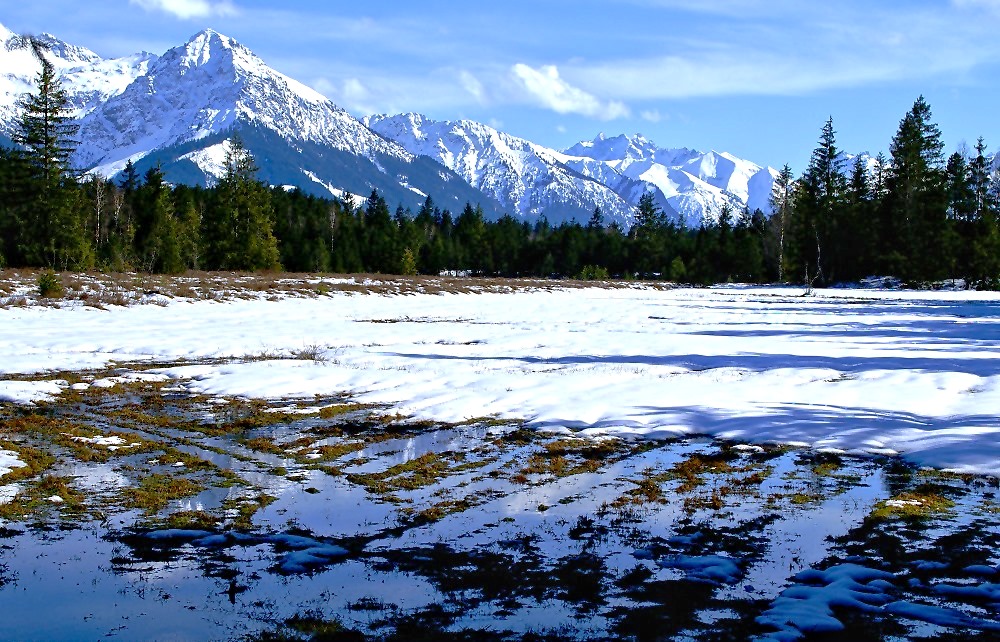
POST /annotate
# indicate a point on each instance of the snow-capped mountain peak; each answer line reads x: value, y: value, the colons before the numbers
x: 206, y: 86
x: 66, y: 53
x: 89, y: 80
x: 694, y: 184
x: 177, y: 110
x: 525, y: 178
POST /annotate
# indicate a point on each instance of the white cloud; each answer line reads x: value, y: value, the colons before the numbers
x: 652, y: 116
x: 472, y: 85
x: 325, y: 87
x: 831, y: 56
x: 551, y: 91
x: 187, y: 9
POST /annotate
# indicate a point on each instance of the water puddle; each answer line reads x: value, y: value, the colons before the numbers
x: 230, y: 519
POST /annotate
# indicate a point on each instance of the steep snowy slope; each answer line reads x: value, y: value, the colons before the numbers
x: 695, y: 184
x: 88, y: 79
x: 196, y: 96
x: 205, y: 87
x: 528, y: 180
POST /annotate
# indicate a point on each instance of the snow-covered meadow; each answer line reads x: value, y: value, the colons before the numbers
x: 871, y: 371
x: 501, y: 460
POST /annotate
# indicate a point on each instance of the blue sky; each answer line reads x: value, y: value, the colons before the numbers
x: 754, y: 78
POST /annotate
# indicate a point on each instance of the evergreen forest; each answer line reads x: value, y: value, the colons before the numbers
x: 918, y: 215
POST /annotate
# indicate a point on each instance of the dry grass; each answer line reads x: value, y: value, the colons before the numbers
x: 155, y: 492
x: 102, y: 290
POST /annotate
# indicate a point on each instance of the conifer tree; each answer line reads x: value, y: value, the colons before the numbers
x: 781, y: 200
x: 157, y: 246
x: 984, y: 260
x: 239, y: 230
x: 817, y: 228
x: 860, y: 233
x: 648, y: 236
x: 52, y: 228
x: 470, y: 233
x: 379, y: 251
x: 917, y: 200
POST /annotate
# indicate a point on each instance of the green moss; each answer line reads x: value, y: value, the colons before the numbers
x: 417, y: 473
x: 155, y: 492
x: 337, y: 410
x: 826, y: 469
x: 915, y: 504
x: 245, y: 508
x: 35, y: 499
x: 264, y: 445
x: 191, y: 519
x: 35, y: 462
x: 572, y: 456
x: 692, y: 471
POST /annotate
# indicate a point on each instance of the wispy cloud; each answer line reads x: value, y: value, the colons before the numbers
x: 472, y: 85
x: 652, y: 116
x: 825, y: 53
x: 187, y: 9
x: 548, y: 89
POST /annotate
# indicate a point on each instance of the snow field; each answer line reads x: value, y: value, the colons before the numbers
x: 858, y: 371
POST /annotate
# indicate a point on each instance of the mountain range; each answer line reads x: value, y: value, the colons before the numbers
x: 178, y: 111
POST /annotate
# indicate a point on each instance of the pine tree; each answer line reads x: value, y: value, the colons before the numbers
x: 781, y: 201
x: 648, y: 237
x: 984, y: 229
x: 157, y: 246
x: 817, y: 230
x: 860, y: 229
x: 379, y: 251
x: 238, y: 232
x: 470, y: 234
x: 917, y: 200
x: 52, y: 227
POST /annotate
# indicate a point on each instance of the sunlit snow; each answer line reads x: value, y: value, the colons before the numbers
x: 855, y: 371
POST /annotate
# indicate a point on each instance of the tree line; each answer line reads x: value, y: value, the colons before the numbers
x: 915, y: 215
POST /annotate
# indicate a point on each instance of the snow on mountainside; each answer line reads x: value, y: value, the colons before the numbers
x: 695, y: 184
x: 88, y: 79
x: 177, y: 110
x: 205, y: 87
x: 525, y: 178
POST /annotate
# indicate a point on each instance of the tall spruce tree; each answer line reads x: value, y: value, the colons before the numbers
x: 648, y: 236
x: 984, y: 230
x: 917, y: 197
x: 860, y: 230
x: 52, y: 227
x: 379, y: 251
x: 817, y: 228
x: 781, y: 201
x: 238, y: 232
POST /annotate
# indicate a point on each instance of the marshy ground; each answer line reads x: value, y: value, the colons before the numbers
x: 143, y: 511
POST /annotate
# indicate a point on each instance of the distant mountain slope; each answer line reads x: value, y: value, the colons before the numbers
x: 207, y: 86
x: 195, y: 96
x: 528, y: 180
x: 88, y: 79
x: 695, y: 184
x: 177, y: 110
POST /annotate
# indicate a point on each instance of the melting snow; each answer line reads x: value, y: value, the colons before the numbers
x: 851, y: 370
x: 9, y: 461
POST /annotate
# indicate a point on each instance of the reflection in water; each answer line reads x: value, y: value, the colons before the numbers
x: 484, y: 528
